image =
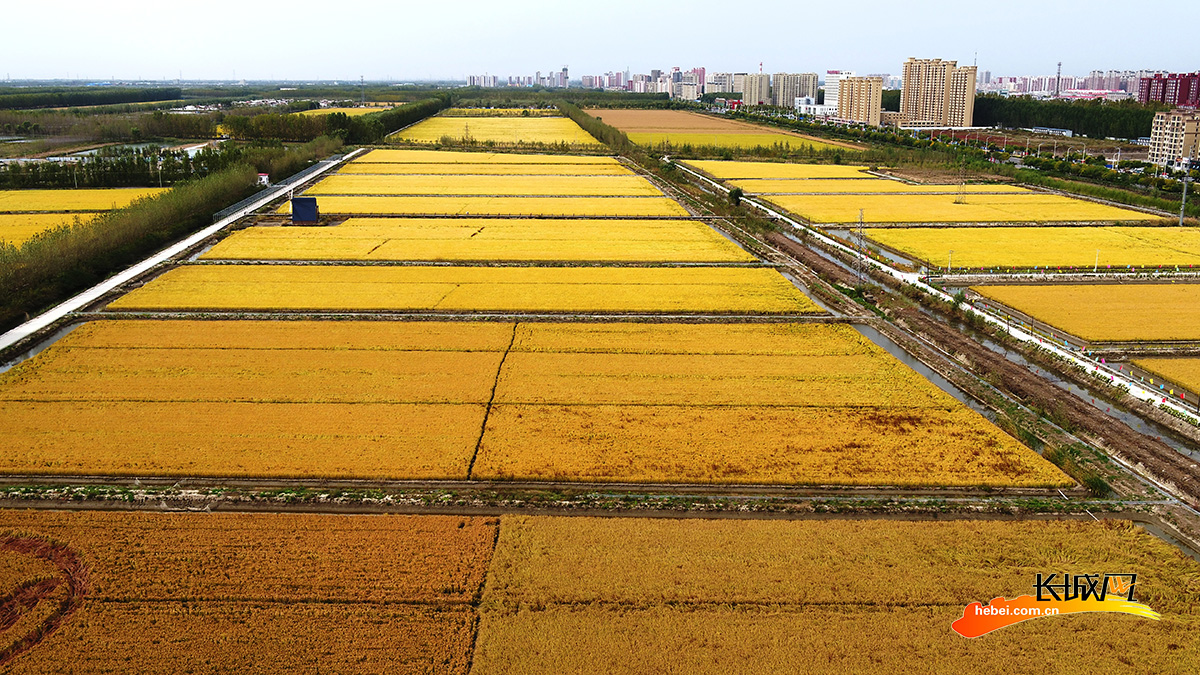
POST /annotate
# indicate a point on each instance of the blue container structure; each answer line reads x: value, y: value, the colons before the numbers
x: 304, y: 210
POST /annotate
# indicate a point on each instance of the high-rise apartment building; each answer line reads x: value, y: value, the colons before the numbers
x: 1175, y: 137
x: 860, y: 99
x: 937, y: 93
x: 757, y: 89
x: 1177, y: 89
x: 832, y: 89
x: 739, y: 83
x: 787, y: 87
x: 718, y: 83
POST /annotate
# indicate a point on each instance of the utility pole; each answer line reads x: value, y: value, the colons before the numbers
x: 363, y: 83
x: 859, y: 262
x: 1183, y: 201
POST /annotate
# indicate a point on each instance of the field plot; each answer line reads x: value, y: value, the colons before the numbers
x: 550, y: 186
x: 580, y: 207
x: 479, y: 239
x: 731, y: 170
x: 464, y: 169
x: 459, y: 289
x: 1046, y: 246
x: 1185, y: 372
x: 680, y: 127
x: 919, y: 208
x: 17, y: 228
x: 796, y: 404
x: 397, y: 156
x: 250, y: 398
x: 209, y: 593
x: 92, y: 199
x: 349, y: 112
x: 1109, y: 313
x: 720, y: 596
x: 504, y: 130
x: 769, y: 186
x: 502, y: 112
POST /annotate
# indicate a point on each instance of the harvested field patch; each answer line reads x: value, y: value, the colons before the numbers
x: 90, y: 199
x: 349, y: 112
x: 631, y: 207
x: 518, y: 289
x: 388, y: 155
x: 919, y: 208
x: 729, y: 170
x: 504, y: 130
x: 766, y: 139
x: 1084, y: 247
x: 810, y: 596
x: 468, y: 239
x: 551, y: 186
x: 1109, y: 313
x: 1184, y: 371
x: 215, y: 593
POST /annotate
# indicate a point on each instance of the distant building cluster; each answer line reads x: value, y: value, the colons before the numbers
x: 1175, y: 89
x: 937, y: 93
x: 554, y: 79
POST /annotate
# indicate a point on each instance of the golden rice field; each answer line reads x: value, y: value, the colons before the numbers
x: 214, y: 593
x: 1046, y: 246
x: 1109, y: 313
x: 253, y: 398
x: 579, y: 207
x: 479, y: 239
x: 89, y: 199
x: 720, y: 596
x: 807, y: 404
x: 919, y: 208
x: 455, y: 169
x: 680, y: 127
x: 17, y: 228
x: 678, y: 139
x: 774, y: 186
x: 349, y: 112
x: 398, y: 156
x: 729, y: 170
x: 504, y: 130
x: 552, y: 186
x: 471, y: 289
x: 811, y: 404
x: 1183, y: 371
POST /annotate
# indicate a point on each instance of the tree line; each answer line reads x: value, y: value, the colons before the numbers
x: 1097, y: 119
x: 16, y: 99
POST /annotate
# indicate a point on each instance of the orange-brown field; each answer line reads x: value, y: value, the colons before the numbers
x: 242, y: 592
x: 680, y: 127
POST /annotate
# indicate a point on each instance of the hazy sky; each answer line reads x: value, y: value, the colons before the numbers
x: 300, y: 39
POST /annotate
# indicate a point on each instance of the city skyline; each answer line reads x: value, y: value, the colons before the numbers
x: 410, y: 43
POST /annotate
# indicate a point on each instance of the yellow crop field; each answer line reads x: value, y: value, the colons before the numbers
x: 407, y: 156
x: 677, y: 139
x: 471, y: 239
x: 506, y: 130
x: 353, y: 399
x: 458, y: 289
x: 552, y: 186
x: 17, y: 228
x: 629, y: 207
x: 349, y: 112
x: 768, y: 186
x: 808, y: 404
x: 502, y: 112
x: 1185, y: 372
x: 901, y: 208
x: 463, y: 169
x: 1109, y: 313
x: 90, y: 199
x: 1046, y: 246
x: 720, y: 596
x: 728, y: 170
x: 210, y: 593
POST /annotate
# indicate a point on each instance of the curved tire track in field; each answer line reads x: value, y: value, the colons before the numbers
x: 71, y: 570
